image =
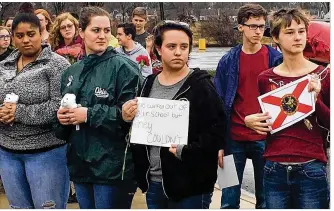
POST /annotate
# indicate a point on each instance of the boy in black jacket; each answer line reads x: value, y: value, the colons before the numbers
x: 182, y: 176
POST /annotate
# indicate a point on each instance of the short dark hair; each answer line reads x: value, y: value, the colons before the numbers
x: 283, y: 18
x: 7, y: 19
x: 251, y: 10
x: 128, y: 28
x: 26, y: 15
x: 139, y: 11
x: 87, y: 13
x: 161, y: 28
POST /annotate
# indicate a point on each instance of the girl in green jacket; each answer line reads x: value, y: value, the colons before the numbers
x: 98, y: 159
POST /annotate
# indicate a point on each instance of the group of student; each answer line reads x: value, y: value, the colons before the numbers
x: 42, y: 149
x: 62, y: 33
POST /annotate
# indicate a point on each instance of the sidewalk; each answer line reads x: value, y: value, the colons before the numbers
x: 246, y: 202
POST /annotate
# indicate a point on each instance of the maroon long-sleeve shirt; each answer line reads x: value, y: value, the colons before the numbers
x: 245, y: 101
x: 297, y: 143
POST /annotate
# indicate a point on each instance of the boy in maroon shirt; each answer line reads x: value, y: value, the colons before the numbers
x: 236, y: 82
x: 295, y: 171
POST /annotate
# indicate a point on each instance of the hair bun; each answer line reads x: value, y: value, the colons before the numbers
x: 26, y: 7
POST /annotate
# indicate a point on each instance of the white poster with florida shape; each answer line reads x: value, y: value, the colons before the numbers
x: 288, y: 104
x: 160, y: 122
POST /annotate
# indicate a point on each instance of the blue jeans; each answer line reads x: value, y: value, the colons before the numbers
x: 36, y: 180
x: 241, y: 150
x: 302, y: 186
x: 156, y: 199
x: 97, y: 196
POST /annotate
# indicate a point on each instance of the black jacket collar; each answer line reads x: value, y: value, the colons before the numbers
x: 192, y: 80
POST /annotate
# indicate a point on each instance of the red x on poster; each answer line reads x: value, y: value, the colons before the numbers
x: 288, y: 104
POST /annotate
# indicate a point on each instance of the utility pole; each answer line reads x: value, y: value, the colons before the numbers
x: 162, y: 12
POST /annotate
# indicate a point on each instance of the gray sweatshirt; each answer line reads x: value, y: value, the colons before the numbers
x: 140, y: 56
x: 38, y: 88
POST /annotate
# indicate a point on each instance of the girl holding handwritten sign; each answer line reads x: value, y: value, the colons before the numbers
x: 182, y: 176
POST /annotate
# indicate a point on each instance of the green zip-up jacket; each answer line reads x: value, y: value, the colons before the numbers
x: 98, y: 152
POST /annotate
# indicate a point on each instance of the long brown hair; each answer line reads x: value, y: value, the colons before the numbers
x: 87, y: 13
x: 47, y: 17
x: 55, y: 37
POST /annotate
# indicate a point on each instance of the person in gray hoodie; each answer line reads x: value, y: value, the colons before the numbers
x: 126, y: 33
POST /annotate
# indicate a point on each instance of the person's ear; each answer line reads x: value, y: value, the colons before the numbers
x: 240, y: 28
x: 275, y: 40
x: 81, y: 33
x: 158, y: 50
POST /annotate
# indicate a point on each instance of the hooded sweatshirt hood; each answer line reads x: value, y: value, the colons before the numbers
x: 140, y: 56
x: 137, y: 49
x: 193, y: 80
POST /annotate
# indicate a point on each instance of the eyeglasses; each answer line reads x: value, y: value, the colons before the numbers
x: 4, y: 37
x: 69, y: 26
x: 254, y: 26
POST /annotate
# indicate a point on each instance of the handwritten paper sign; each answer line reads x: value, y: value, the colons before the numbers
x: 288, y: 104
x: 160, y: 122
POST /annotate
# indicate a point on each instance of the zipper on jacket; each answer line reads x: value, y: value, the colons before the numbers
x: 123, y: 168
x: 142, y: 90
x: 25, y: 67
x: 148, y: 170
x: 174, y: 98
x: 162, y: 178
x: 128, y: 141
x: 148, y: 157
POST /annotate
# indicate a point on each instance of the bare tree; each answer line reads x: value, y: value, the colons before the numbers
x: 219, y: 29
x: 183, y: 8
x: 126, y: 8
x: 45, y: 5
x: 123, y: 10
x: 96, y: 4
x: 151, y: 5
x: 325, y: 6
x: 58, y: 7
x: 4, y: 6
x: 198, y: 6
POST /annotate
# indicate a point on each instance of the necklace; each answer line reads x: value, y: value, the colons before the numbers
x: 23, y: 66
x: 18, y: 69
x: 23, y: 63
x: 29, y: 62
x: 36, y: 56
